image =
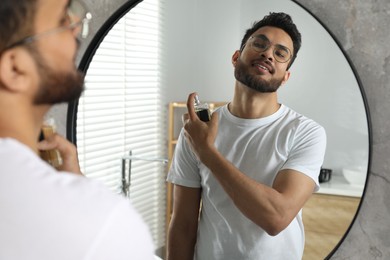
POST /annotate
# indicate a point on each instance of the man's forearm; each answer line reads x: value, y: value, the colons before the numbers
x: 270, y: 208
x: 180, y: 246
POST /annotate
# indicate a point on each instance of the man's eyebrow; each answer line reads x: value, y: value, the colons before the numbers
x: 262, y: 36
x: 282, y: 47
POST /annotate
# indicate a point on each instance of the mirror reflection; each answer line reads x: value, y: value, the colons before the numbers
x: 157, y: 54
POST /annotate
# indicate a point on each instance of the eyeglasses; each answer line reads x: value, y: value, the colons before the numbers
x: 77, y: 16
x: 261, y: 43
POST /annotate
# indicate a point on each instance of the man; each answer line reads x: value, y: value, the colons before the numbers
x: 45, y: 213
x: 253, y: 166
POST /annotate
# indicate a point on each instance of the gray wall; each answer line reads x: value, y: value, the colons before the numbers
x: 361, y: 27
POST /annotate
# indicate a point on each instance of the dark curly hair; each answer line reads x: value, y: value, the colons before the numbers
x: 282, y: 21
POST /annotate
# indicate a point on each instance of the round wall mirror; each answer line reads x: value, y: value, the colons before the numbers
x: 150, y: 54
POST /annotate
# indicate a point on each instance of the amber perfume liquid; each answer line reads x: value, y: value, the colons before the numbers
x: 202, y: 110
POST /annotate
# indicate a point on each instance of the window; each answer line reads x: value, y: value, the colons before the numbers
x: 120, y: 111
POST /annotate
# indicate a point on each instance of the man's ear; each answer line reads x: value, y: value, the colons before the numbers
x: 235, y: 57
x: 17, y: 70
x: 286, y: 77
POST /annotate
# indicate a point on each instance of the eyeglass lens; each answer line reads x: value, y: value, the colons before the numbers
x: 281, y: 53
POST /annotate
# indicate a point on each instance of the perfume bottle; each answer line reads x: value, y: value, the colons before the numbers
x: 202, y: 110
x: 53, y: 157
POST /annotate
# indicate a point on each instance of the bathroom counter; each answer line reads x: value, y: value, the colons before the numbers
x: 338, y: 185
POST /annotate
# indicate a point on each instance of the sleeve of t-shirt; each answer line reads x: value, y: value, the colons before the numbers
x: 185, y: 165
x: 124, y: 235
x: 308, y: 151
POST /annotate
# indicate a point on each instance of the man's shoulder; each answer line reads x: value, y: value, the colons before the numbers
x: 297, y: 118
x: 61, y: 190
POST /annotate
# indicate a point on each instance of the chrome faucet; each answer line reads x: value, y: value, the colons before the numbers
x: 127, y: 181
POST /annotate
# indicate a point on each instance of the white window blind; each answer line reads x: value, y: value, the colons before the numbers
x: 120, y: 111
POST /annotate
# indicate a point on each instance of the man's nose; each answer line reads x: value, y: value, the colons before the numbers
x: 268, y: 53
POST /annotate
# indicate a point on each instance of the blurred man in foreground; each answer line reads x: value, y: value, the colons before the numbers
x: 48, y: 213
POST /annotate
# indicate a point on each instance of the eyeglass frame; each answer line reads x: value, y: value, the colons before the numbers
x: 263, y: 37
x: 83, y: 22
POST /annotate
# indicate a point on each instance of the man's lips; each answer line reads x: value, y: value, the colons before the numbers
x: 263, y: 66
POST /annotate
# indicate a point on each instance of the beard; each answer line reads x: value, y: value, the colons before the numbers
x: 56, y: 86
x: 254, y: 81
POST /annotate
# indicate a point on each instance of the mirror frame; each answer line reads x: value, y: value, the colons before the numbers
x: 126, y: 6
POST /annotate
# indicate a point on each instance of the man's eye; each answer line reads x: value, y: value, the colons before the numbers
x: 65, y: 20
x: 260, y: 45
x: 281, y: 53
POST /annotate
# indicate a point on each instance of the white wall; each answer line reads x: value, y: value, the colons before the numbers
x: 201, y: 36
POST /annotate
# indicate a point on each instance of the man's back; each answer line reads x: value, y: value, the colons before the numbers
x: 51, y: 215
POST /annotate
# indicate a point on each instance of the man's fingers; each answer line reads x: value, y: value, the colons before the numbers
x: 214, y: 118
x: 184, y: 118
x: 190, y: 107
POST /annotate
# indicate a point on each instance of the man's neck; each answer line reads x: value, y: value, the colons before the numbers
x: 22, y: 123
x: 251, y: 104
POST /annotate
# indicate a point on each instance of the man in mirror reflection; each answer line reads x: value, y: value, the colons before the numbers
x: 242, y: 179
x: 49, y: 213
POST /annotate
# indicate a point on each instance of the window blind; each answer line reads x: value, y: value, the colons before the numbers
x: 120, y: 111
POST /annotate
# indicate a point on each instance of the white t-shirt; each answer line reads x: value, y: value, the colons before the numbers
x: 260, y: 148
x: 47, y: 215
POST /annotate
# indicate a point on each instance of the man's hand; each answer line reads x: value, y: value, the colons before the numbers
x: 200, y: 135
x: 67, y: 150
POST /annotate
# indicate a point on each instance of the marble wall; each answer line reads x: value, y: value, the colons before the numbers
x: 361, y: 26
